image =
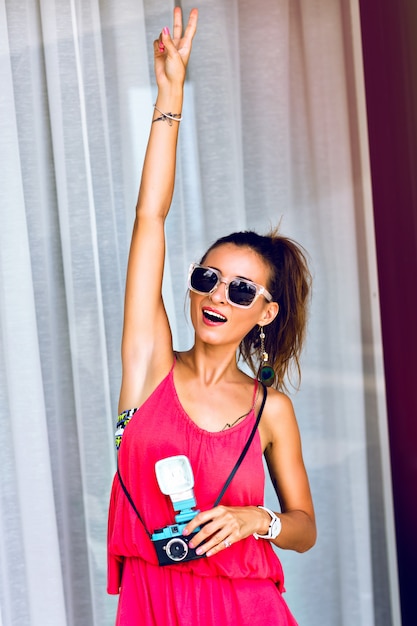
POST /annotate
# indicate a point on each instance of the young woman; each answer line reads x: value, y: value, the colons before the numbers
x: 248, y: 296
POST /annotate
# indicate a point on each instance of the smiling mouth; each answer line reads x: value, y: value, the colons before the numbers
x: 213, y: 316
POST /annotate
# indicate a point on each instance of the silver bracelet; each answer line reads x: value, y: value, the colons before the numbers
x: 169, y: 117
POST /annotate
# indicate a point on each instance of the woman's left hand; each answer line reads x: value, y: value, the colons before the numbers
x: 171, y: 54
x: 223, y: 526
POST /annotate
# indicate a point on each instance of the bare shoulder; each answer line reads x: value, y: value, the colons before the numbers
x: 279, y: 422
x: 278, y: 408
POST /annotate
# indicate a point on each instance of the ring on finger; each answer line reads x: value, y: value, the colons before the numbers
x: 227, y: 544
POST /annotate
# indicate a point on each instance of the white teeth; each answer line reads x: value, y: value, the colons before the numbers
x: 215, y: 315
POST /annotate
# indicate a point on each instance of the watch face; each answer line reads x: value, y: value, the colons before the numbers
x: 275, y: 528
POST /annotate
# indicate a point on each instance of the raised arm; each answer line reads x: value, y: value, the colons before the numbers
x: 147, y: 343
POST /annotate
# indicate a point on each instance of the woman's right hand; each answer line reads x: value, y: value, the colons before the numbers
x: 171, y: 54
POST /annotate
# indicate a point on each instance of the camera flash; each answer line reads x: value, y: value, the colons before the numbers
x: 175, y: 476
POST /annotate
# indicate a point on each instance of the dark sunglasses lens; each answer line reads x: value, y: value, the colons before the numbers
x: 242, y: 292
x: 203, y: 279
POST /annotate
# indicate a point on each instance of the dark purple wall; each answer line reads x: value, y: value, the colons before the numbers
x: 389, y: 38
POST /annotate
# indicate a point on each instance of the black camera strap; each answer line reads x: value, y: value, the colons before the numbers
x: 129, y: 497
x: 244, y: 451
x: 231, y: 475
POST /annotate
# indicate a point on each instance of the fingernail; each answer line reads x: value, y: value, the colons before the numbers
x: 199, y: 551
x: 165, y: 30
x: 161, y: 47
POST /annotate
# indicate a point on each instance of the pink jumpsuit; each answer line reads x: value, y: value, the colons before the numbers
x: 242, y: 585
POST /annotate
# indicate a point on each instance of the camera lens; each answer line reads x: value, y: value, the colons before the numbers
x: 176, y: 549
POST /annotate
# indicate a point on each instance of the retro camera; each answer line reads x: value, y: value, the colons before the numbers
x: 175, y: 479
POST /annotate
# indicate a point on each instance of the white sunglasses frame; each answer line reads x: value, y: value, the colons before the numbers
x: 260, y: 290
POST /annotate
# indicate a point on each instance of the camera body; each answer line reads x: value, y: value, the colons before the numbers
x: 175, y: 479
x: 170, y: 544
x: 171, y: 547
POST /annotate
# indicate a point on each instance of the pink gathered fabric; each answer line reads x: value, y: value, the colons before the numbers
x: 242, y: 585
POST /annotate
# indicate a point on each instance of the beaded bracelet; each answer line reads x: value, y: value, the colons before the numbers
x: 177, y: 117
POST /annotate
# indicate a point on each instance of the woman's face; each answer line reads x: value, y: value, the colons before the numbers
x: 215, y: 320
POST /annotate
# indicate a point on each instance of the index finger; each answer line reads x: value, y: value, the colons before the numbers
x: 177, y: 27
x: 196, y: 522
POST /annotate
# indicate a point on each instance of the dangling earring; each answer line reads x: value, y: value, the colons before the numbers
x: 266, y: 371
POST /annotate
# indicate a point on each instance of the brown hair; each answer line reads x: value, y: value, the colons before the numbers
x: 289, y: 285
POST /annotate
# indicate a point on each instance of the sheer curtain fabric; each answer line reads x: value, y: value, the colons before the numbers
x: 273, y: 133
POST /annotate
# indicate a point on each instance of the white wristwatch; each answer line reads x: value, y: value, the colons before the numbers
x: 275, y: 525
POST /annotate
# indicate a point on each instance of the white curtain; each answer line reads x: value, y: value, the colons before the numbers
x: 273, y: 131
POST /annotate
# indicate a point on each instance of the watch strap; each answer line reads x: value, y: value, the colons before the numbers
x: 275, y: 525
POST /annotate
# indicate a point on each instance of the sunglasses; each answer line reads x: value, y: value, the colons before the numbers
x: 240, y: 292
